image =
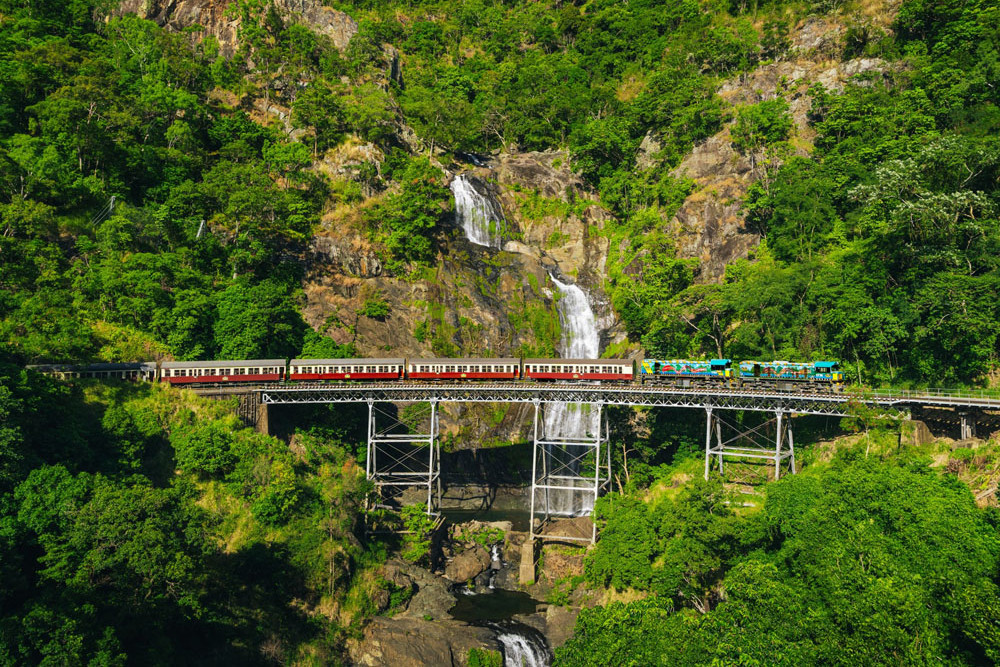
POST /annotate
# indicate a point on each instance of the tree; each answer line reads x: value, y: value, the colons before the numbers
x: 204, y: 448
x: 406, y: 219
x: 320, y: 108
x: 257, y: 321
x: 759, y: 132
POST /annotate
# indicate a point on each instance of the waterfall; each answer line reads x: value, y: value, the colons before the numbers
x: 522, y: 646
x: 580, y: 340
x: 496, y: 562
x: 478, y: 214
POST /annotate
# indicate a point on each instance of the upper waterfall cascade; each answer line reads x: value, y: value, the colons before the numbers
x: 479, y: 214
x: 580, y: 340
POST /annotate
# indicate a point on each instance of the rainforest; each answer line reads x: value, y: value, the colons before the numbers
x: 800, y: 180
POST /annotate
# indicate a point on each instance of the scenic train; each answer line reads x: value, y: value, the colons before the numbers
x: 680, y: 373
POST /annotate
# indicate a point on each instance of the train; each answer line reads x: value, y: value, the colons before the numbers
x: 679, y: 373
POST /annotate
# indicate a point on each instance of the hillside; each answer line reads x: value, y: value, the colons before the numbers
x: 206, y: 179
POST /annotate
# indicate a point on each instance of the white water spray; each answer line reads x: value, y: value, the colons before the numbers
x: 522, y: 650
x: 479, y: 215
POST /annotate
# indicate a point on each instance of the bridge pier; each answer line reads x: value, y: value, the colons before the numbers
x: 398, y: 460
x: 750, y: 444
x: 567, y: 468
x: 967, y: 427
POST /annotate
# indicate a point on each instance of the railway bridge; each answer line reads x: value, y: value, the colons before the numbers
x: 581, y: 466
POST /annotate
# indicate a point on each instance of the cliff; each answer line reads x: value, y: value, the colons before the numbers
x: 216, y: 19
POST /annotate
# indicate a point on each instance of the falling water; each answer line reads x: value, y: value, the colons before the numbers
x: 522, y: 646
x: 480, y: 216
x: 496, y: 562
x: 580, y: 340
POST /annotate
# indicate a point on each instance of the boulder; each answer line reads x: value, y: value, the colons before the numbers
x: 468, y: 564
x: 406, y: 642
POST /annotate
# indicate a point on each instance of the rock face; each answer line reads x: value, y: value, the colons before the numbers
x: 476, y: 301
x: 211, y: 15
x: 411, y: 642
x: 709, y: 224
x: 468, y: 565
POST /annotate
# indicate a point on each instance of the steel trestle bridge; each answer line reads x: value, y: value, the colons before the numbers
x: 581, y: 466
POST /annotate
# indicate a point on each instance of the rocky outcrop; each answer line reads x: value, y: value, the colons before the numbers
x: 413, y: 642
x: 212, y: 15
x: 432, y: 598
x: 345, y: 257
x: 467, y: 565
x: 709, y: 225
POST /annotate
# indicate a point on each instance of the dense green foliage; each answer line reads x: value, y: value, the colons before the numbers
x: 880, y: 247
x: 110, y: 555
x: 858, y: 562
x: 151, y: 205
x: 144, y: 208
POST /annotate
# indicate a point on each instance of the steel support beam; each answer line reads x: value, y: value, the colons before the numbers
x: 398, y: 460
x: 567, y: 468
x: 752, y: 443
x: 811, y: 402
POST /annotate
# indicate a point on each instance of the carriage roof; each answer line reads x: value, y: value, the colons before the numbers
x: 235, y: 363
x: 344, y: 362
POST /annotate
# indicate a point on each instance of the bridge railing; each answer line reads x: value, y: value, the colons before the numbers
x: 936, y: 393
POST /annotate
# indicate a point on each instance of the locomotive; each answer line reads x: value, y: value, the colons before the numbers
x: 678, y: 373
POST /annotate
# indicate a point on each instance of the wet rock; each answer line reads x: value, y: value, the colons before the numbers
x: 467, y: 565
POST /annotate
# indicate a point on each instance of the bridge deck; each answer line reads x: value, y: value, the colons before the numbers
x: 803, y: 402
